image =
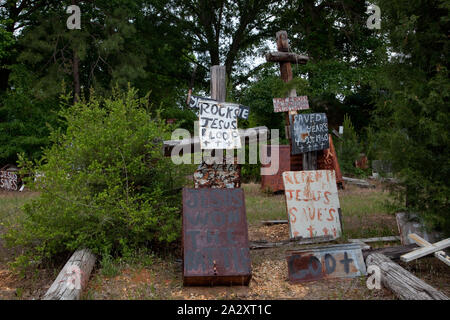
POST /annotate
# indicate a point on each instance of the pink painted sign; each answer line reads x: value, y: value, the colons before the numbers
x: 290, y: 104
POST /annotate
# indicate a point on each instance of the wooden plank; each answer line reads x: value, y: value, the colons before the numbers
x: 358, y: 182
x: 278, y: 56
x: 256, y: 245
x: 385, y: 239
x: 419, y: 253
x: 290, y: 104
x: 312, y: 203
x: 73, y: 278
x: 401, y: 282
x: 193, y: 144
x: 218, y: 83
x: 324, y: 262
x: 272, y: 222
x: 393, y: 252
x: 441, y: 255
x: 364, y: 246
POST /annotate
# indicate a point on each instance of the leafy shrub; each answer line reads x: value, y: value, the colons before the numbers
x: 104, y: 183
x: 349, y: 149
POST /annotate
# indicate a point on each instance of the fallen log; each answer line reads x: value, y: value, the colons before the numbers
x: 73, y: 278
x: 402, y: 283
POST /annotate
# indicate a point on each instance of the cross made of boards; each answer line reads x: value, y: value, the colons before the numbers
x: 285, y: 58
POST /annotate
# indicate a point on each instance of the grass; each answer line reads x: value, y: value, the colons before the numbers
x: 365, y: 212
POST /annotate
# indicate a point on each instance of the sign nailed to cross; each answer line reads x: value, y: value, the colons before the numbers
x: 290, y: 104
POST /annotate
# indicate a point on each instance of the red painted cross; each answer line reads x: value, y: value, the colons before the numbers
x: 310, y: 229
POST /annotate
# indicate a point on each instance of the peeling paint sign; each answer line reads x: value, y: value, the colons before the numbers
x: 218, y: 125
x: 9, y: 179
x: 290, y: 104
x: 309, y: 133
x: 334, y: 261
x: 215, y: 237
x: 312, y: 203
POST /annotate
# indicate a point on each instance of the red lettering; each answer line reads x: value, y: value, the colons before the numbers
x: 293, y: 217
x: 326, y: 193
x: 331, y: 218
x: 290, y: 194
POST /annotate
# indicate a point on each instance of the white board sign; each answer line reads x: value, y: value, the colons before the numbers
x: 218, y: 125
x: 312, y: 203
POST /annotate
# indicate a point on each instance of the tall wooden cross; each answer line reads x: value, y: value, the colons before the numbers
x: 286, y: 58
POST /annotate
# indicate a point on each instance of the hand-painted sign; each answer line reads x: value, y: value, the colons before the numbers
x: 215, y: 237
x: 218, y: 125
x: 334, y: 261
x: 243, y: 112
x: 9, y: 180
x: 309, y: 133
x: 312, y: 203
x: 290, y: 104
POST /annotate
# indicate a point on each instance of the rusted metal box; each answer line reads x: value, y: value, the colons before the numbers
x: 274, y: 182
x: 215, y: 237
x: 334, y: 261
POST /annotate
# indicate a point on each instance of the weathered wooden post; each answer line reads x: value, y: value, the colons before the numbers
x: 218, y: 175
x: 285, y: 59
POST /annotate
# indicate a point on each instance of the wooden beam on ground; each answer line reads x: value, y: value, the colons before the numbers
x: 391, y: 238
x: 401, y: 282
x: 193, y: 144
x: 392, y: 252
x: 272, y: 222
x: 441, y: 255
x: 256, y: 245
x: 364, y: 246
x: 419, y: 253
x: 359, y: 182
x: 73, y: 278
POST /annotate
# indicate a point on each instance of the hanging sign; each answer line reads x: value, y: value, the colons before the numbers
x: 309, y: 133
x: 218, y: 125
x: 290, y: 104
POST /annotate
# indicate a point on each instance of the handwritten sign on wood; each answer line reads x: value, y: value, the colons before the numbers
x: 243, y: 113
x: 309, y: 133
x: 218, y: 125
x: 312, y: 203
x: 334, y: 261
x: 290, y: 104
x: 9, y: 181
x: 215, y: 237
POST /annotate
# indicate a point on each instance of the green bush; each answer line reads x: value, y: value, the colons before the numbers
x: 349, y: 149
x: 104, y: 183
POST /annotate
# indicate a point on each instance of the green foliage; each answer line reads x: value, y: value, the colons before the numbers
x: 24, y: 119
x: 104, y: 183
x: 413, y: 107
x: 348, y: 148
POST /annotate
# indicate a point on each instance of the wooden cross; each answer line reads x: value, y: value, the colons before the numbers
x: 286, y: 58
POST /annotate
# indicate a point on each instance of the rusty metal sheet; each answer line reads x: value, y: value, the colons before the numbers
x: 215, y: 237
x: 334, y: 261
x: 312, y: 203
x: 290, y: 104
x: 274, y: 182
x: 327, y: 160
x: 218, y: 175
